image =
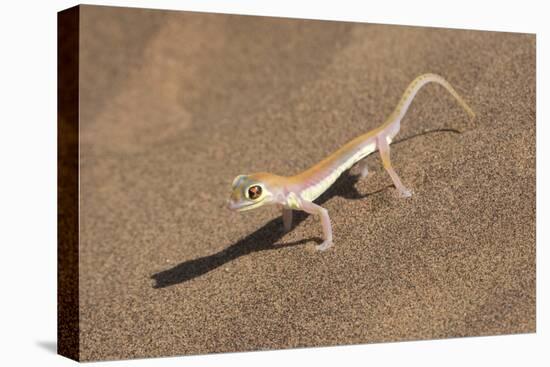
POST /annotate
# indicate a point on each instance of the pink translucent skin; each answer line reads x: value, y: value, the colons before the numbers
x: 298, y: 192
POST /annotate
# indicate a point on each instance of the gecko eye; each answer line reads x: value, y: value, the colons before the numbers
x: 254, y: 192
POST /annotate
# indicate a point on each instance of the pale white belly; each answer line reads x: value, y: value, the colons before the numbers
x: 314, y: 191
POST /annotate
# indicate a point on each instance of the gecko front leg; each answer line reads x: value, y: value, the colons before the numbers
x: 287, y: 219
x: 315, y: 209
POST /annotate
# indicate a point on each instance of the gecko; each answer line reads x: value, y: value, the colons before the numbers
x: 298, y: 192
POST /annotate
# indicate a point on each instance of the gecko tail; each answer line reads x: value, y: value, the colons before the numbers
x: 415, y: 86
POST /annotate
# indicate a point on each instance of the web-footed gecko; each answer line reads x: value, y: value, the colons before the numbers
x: 298, y: 192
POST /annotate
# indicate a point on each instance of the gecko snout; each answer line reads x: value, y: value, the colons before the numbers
x: 232, y: 205
x: 229, y: 204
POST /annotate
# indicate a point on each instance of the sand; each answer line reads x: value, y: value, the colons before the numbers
x: 174, y: 105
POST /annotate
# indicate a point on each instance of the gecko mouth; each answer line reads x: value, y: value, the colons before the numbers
x: 244, y: 206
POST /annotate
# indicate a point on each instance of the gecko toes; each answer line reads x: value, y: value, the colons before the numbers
x: 324, y: 246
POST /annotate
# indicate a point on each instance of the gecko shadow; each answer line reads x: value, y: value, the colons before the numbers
x: 263, y: 239
x: 266, y: 237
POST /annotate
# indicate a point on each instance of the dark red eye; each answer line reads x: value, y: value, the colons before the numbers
x: 254, y: 192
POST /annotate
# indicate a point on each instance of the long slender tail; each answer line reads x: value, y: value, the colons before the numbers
x: 414, y: 87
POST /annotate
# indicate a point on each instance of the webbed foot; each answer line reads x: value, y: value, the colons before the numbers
x: 324, y: 246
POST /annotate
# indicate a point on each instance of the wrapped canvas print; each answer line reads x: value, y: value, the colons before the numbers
x: 238, y: 183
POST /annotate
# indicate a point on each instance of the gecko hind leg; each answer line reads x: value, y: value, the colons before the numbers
x: 315, y: 209
x: 384, y: 149
x: 363, y: 168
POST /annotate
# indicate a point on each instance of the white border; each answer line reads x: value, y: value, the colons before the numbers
x: 28, y: 180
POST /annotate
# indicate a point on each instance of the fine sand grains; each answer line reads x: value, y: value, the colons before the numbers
x: 174, y: 105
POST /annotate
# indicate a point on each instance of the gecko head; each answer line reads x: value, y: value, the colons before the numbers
x: 252, y: 191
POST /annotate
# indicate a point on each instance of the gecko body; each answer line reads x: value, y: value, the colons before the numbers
x: 299, y: 191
